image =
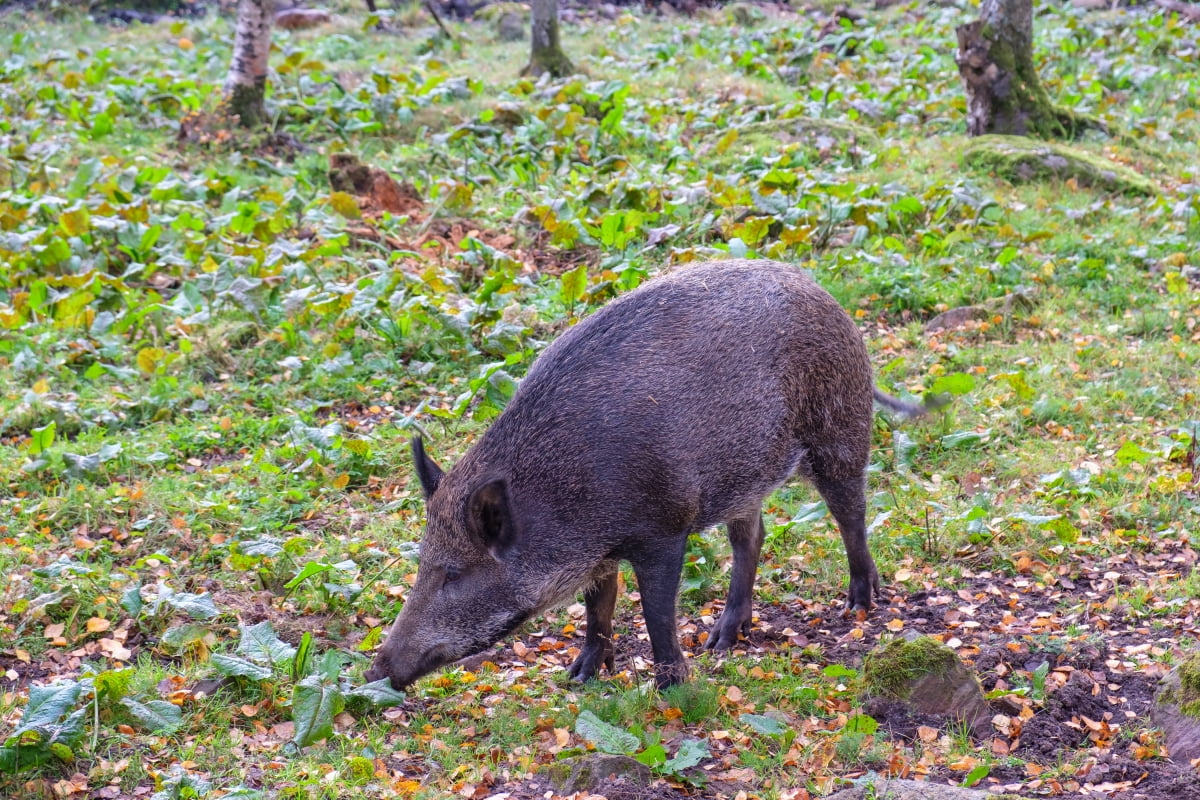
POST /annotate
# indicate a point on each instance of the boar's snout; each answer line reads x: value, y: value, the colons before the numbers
x: 393, y: 662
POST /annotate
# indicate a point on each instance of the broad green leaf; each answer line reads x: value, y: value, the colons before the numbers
x: 1131, y: 452
x: 113, y: 684
x: 764, y: 724
x: 300, y: 661
x: 155, y: 716
x: 963, y: 438
x: 314, y: 705
x: 240, y: 667
x: 131, y: 600
x: 861, y: 723
x: 41, y: 438
x: 310, y: 569
x: 976, y: 775
x: 260, y: 643
x: 690, y: 753
x: 48, y: 704
x: 378, y: 693
x: 196, y: 606
x: 653, y: 756
x: 954, y: 383
x: 607, y: 738
x: 810, y: 512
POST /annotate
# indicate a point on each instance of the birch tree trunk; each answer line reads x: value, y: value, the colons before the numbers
x: 1004, y: 94
x: 546, y: 54
x: 246, y: 83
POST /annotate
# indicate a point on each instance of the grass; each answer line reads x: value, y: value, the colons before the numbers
x: 210, y: 373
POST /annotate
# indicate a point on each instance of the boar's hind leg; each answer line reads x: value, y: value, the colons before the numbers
x: 658, y: 566
x: 600, y: 600
x: 846, y: 498
x: 746, y: 535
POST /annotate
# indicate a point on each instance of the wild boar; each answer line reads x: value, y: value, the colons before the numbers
x: 675, y: 407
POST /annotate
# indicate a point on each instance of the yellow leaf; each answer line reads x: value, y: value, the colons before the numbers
x: 75, y: 222
x: 726, y: 141
x: 226, y: 423
x: 54, y: 631
x: 341, y: 481
x: 41, y: 387
x: 148, y: 359
x: 98, y: 625
x: 185, y: 43
x: 345, y: 205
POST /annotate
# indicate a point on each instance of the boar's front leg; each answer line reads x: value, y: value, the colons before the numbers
x: 658, y: 571
x: 746, y: 535
x: 847, y: 501
x: 600, y: 600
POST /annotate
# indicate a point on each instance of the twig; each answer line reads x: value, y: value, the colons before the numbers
x: 436, y: 18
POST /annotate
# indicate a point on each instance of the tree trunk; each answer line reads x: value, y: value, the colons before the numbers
x: 1004, y: 94
x: 546, y: 55
x: 246, y: 83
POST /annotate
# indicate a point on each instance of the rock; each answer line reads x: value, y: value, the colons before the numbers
x: 896, y: 789
x: 297, y: 18
x: 511, y: 27
x: 1019, y: 300
x: 586, y: 773
x: 1177, y: 711
x: 1018, y: 159
x: 927, y: 677
x: 744, y: 14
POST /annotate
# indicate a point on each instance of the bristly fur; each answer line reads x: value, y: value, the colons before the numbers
x: 678, y: 406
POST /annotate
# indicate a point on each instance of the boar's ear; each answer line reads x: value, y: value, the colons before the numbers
x: 428, y: 472
x: 490, y: 519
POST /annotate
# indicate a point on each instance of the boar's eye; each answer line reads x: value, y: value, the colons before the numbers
x: 452, y: 574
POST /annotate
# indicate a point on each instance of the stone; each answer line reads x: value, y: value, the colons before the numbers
x: 512, y: 27
x: 927, y: 677
x: 1019, y: 300
x: 298, y: 18
x: 1176, y: 711
x: 1018, y: 159
x: 587, y: 772
x: 897, y: 789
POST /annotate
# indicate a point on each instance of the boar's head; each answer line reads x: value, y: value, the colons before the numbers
x: 468, y: 595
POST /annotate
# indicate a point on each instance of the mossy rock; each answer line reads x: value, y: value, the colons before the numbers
x: 744, y: 14
x: 1018, y: 159
x: 494, y: 11
x: 878, y: 788
x: 1177, y: 710
x: 928, y: 677
x: 768, y: 138
x: 589, y: 772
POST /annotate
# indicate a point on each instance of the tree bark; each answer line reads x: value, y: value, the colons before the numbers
x: 546, y: 54
x: 1004, y: 94
x: 246, y: 84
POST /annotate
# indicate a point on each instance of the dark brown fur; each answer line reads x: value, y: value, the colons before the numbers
x: 676, y: 407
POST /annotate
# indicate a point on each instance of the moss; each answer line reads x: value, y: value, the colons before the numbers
x: 1020, y: 160
x: 1187, y: 694
x: 891, y: 672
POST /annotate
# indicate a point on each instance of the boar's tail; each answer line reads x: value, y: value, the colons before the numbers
x: 908, y: 410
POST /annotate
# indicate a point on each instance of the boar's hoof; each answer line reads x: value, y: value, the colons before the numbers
x: 587, y: 665
x: 668, y: 675
x: 724, y: 635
